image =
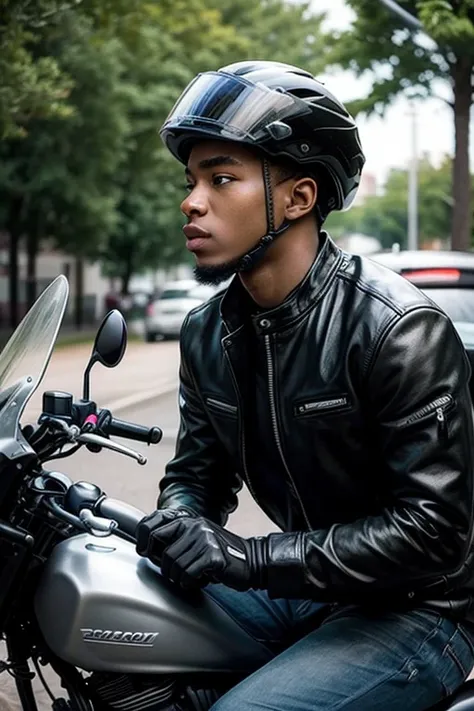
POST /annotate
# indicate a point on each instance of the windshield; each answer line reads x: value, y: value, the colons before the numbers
x: 174, y: 294
x: 25, y: 357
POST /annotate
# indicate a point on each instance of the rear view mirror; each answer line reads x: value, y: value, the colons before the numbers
x: 109, y: 346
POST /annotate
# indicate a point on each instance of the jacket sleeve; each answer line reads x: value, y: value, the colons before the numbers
x: 419, y: 401
x: 200, y: 476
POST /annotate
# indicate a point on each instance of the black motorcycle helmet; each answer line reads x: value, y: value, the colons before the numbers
x: 285, y: 113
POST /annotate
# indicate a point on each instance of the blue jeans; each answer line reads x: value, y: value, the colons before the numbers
x: 351, y: 658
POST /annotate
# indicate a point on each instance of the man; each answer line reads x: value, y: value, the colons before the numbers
x: 337, y: 392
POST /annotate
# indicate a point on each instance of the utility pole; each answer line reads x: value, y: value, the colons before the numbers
x: 413, y: 182
x: 412, y: 22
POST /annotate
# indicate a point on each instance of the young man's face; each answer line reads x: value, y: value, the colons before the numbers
x: 225, y: 207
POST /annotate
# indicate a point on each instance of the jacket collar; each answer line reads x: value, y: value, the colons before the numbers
x: 236, y: 302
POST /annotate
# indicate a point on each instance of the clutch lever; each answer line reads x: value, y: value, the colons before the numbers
x: 88, y: 438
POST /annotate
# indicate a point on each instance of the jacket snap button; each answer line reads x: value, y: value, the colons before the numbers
x: 411, y: 594
x: 265, y: 323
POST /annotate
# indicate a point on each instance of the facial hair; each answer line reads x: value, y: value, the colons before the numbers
x: 215, y: 275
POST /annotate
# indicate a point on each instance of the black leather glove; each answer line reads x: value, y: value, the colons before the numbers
x: 194, y: 552
x: 149, y: 524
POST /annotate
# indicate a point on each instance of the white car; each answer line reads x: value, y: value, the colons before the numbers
x: 165, y: 314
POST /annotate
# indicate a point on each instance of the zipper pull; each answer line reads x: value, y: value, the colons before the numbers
x: 442, y: 424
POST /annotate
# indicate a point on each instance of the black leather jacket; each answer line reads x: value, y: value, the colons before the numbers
x: 372, y: 423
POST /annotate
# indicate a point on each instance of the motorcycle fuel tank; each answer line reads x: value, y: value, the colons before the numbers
x: 101, y: 607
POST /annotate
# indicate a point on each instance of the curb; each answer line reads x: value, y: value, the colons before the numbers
x: 125, y: 403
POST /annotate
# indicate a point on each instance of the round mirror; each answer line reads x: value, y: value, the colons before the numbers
x: 111, y: 340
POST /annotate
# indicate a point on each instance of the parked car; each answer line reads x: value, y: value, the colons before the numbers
x: 447, y: 278
x: 166, y: 313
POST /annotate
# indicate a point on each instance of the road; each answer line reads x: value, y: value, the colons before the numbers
x: 147, y: 370
x: 122, y: 478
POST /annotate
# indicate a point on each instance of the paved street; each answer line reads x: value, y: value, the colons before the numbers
x: 146, y: 370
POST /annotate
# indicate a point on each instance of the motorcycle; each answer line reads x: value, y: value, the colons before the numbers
x: 74, y: 594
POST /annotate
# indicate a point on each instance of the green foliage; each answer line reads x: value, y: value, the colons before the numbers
x: 31, y: 86
x: 63, y: 170
x: 385, y: 216
x: 379, y: 43
x: 451, y: 24
x: 86, y: 86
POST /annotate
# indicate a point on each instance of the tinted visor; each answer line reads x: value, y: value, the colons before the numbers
x: 229, y: 107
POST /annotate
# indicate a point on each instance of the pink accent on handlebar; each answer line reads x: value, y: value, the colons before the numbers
x: 92, y: 419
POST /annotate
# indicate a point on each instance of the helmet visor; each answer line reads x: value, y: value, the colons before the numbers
x: 228, y: 106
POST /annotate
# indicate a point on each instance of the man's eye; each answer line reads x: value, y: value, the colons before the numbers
x: 221, y: 179
x: 188, y: 187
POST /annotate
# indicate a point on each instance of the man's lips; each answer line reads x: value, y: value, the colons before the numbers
x: 193, y: 231
x: 196, y: 236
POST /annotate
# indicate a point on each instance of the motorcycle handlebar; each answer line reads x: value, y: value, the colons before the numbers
x: 139, y: 433
x: 127, y: 516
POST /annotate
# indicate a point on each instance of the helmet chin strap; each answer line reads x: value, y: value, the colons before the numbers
x: 250, y: 259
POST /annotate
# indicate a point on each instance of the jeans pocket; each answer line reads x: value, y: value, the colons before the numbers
x: 458, y: 659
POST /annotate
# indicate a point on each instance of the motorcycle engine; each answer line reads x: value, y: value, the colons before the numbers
x: 122, y: 692
x: 131, y: 693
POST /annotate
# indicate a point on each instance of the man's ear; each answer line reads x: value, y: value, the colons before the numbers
x: 301, y: 199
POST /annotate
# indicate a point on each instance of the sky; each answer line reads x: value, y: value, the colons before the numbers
x: 387, y: 142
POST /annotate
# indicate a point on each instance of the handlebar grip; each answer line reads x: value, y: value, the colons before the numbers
x: 139, y: 433
x: 128, y: 517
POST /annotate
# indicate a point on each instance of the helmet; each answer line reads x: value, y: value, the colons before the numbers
x: 281, y: 110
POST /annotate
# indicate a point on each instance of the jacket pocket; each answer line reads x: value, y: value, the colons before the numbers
x: 439, y: 407
x: 220, y: 407
x: 315, y: 407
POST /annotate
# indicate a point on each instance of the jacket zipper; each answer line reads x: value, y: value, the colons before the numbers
x: 273, y: 410
x: 442, y: 423
x: 222, y: 405
x: 322, y: 405
x: 440, y: 405
x: 242, y: 432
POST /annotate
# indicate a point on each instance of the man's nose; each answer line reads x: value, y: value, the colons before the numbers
x: 195, y: 203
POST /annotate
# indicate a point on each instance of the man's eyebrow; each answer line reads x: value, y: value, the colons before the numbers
x: 214, y: 162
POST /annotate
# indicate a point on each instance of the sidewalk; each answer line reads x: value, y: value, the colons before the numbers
x: 146, y: 371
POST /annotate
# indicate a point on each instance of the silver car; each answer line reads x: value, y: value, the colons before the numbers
x: 448, y: 279
x: 166, y: 313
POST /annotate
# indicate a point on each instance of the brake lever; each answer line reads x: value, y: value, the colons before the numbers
x: 89, y: 438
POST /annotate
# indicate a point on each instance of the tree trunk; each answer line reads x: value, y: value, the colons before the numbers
x: 126, y: 275
x: 79, y: 296
x: 32, y: 242
x: 13, y: 278
x: 13, y: 225
x: 461, y: 219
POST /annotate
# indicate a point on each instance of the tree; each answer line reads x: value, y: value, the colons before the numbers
x: 90, y: 174
x: 57, y: 180
x: 176, y: 41
x: 277, y: 30
x: 385, y: 216
x: 379, y: 42
x: 31, y: 86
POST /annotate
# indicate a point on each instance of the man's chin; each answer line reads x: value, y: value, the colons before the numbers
x: 215, y: 274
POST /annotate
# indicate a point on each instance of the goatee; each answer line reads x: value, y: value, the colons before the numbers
x: 215, y: 275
